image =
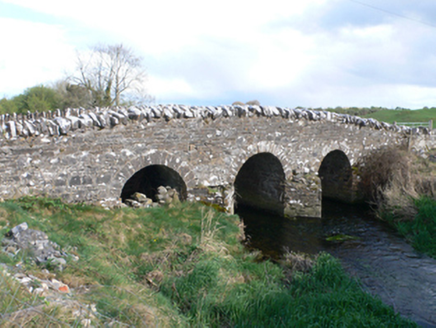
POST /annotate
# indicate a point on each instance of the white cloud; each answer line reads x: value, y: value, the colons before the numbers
x: 32, y: 53
x: 317, y: 52
x: 281, y: 60
x: 170, y: 87
x: 168, y: 24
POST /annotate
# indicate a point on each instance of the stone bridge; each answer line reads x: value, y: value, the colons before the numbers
x: 278, y: 159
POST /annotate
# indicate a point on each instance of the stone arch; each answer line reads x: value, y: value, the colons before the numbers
x: 239, y: 159
x: 149, y: 178
x: 336, y: 176
x: 153, y: 157
x: 260, y: 183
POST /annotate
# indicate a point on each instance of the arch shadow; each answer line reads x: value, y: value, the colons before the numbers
x: 148, y: 179
x: 260, y: 184
x: 336, y: 177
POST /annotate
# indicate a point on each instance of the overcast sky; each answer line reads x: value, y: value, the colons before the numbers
x: 312, y: 53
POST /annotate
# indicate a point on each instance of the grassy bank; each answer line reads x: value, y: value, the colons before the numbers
x: 182, y: 266
x: 402, y: 185
x: 420, y: 229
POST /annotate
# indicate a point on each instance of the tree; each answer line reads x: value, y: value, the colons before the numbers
x: 112, y: 73
x: 7, y: 106
x: 43, y: 98
x: 38, y: 98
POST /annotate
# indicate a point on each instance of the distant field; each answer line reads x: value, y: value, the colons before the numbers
x: 390, y: 116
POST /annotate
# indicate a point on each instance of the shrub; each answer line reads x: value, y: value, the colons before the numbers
x: 392, y: 178
x: 377, y: 169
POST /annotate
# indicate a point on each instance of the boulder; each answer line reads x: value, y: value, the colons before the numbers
x: 162, y: 190
x: 142, y: 199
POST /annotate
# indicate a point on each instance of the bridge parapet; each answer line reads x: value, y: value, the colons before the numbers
x: 64, y: 122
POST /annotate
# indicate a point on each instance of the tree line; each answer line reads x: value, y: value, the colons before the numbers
x: 105, y: 75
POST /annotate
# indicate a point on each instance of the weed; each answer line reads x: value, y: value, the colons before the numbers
x: 298, y: 262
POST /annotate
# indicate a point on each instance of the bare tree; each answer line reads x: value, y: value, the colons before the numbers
x: 113, y: 74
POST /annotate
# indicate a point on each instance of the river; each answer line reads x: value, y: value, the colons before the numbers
x: 385, y: 263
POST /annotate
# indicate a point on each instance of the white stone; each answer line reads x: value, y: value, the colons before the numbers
x: 21, y: 227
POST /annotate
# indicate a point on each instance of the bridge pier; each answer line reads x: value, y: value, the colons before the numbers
x: 303, y: 196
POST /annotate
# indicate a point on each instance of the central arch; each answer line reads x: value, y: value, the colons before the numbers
x: 336, y: 177
x: 260, y: 184
x: 147, y: 180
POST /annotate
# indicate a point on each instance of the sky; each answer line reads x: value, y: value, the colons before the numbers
x: 311, y: 53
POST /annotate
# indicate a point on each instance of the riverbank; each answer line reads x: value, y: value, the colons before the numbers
x: 181, y: 266
x: 402, y: 186
x: 420, y: 229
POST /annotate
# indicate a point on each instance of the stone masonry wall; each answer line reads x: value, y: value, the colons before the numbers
x: 88, y: 155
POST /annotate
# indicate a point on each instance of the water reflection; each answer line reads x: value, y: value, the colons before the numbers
x: 274, y: 234
x: 368, y: 249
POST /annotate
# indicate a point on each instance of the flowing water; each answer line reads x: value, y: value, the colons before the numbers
x: 368, y: 249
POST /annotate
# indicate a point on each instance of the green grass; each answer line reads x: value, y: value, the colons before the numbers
x: 421, y: 230
x: 324, y: 297
x: 406, y: 115
x: 180, y: 267
x: 390, y: 115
